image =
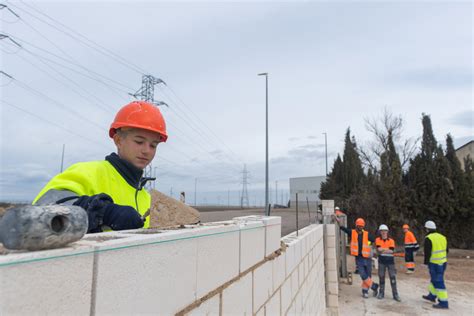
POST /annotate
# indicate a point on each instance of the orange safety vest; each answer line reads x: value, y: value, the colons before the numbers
x: 355, y: 244
x: 385, y: 245
x: 410, y: 238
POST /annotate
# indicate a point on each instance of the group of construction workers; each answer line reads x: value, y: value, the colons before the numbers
x: 362, y: 247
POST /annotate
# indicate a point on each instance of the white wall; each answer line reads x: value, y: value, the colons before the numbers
x: 223, y: 268
x: 306, y: 187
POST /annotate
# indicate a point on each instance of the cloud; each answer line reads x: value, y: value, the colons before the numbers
x: 311, y: 137
x: 216, y: 152
x: 463, y: 119
x: 292, y: 139
x: 434, y: 77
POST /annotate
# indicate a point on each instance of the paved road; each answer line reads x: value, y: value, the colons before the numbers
x: 288, y: 217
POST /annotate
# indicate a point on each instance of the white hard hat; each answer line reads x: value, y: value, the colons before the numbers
x: 337, y: 207
x: 383, y: 227
x: 430, y: 225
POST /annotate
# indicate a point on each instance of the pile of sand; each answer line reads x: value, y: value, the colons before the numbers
x: 166, y: 211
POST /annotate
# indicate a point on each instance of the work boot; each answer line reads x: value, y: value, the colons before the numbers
x: 430, y: 297
x: 374, y: 288
x: 410, y: 272
x: 439, y: 306
x: 396, y: 297
x: 365, y: 295
x: 381, y: 291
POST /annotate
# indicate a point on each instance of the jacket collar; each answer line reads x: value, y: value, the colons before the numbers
x: 129, y: 172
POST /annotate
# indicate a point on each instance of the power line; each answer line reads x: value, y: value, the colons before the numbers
x: 102, y: 49
x: 123, y: 61
x: 120, y: 59
x: 53, y: 123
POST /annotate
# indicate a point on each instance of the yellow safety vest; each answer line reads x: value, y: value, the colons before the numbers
x: 95, y: 177
x: 438, y: 248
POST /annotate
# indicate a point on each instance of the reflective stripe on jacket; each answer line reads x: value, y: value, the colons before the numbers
x: 365, y: 244
x: 410, y: 240
x: 387, y: 244
x: 95, y: 177
x: 438, y: 250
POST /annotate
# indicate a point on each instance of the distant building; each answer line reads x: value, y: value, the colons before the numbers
x: 306, y: 187
x: 464, y: 151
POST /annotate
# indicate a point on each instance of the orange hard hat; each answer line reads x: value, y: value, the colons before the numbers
x: 405, y: 226
x: 140, y: 114
x: 360, y: 222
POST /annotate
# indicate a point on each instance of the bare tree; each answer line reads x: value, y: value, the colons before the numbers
x: 381, y: 127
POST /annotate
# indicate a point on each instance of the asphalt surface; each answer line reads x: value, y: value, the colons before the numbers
x: 288, y: 217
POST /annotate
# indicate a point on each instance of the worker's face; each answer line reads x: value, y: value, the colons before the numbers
x: 137, y: 146
x: 384, y: 234
x: 405, y: 230
x: 359, y: 228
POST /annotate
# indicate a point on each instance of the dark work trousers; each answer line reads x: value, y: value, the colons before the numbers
x: 410, y: 259
x: 392, y: 272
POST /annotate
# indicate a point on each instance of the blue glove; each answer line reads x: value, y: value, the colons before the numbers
x: 95, y: 207
x: 119, y: 217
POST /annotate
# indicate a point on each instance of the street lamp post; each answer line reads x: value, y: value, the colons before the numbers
x: 266, y: 142
x: 326, y: 146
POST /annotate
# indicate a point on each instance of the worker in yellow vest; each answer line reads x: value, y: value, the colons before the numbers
x: 361, y: 250
x: 385, y: 248
x: 436, y: 257
x: 112, y: 190
x: 411, y: 247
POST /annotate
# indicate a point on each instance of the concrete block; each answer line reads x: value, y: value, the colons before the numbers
x: 330, y: 230
x: 208, y: 308
x: 331, y: 276
x: 279, y: 270
x: 237, y: 298
x: 54, y: 282
x: 262, y: 285
x: 252, y: 244
x: 285, y: 296
x: 330, y: 255
x: 272, y: 234
x: 294, y: 284
x: 333, y: 288
x: 331, y: 242
x: 290, y: 258
x: 332, y: 300
x: 273, y: 305
x: 137, y: 274
x: 272, y: 230
x: 217, y: 259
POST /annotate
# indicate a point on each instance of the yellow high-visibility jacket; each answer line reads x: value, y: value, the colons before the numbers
x: 95, y: 177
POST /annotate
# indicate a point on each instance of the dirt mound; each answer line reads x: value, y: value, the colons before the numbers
x: 166, y: 211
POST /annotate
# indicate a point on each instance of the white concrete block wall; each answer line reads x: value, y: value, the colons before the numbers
x: 252, y: 244
x: 210, y: 307
x: 141, y: 275
x: 237, y: 298
x: 262, y: 285
x: 217, y: 259
x: 211, y: 269
x: 54, y: 282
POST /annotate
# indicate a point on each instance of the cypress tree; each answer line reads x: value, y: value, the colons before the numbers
x: 353, y: 173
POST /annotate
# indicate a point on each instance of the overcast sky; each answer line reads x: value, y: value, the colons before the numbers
x: 330, y: 65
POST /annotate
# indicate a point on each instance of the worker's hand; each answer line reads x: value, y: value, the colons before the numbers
x: 95, y: 207
x: 119, y: 217
x: 94, y: 201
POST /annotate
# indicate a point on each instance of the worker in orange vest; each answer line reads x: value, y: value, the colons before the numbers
x: 361, y: 250
x: 411, y: 246
x: 385, y: 248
